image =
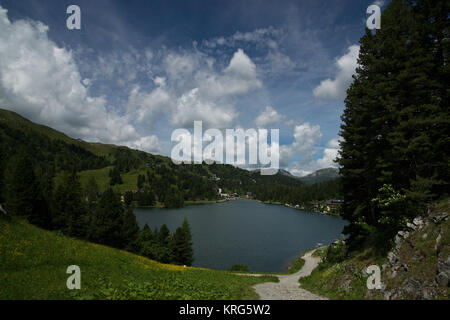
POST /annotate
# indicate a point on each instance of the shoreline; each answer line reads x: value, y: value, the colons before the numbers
x: 293, y: 267
x: 203, y: 202
x: 186, y: 204
x: 293, y: 207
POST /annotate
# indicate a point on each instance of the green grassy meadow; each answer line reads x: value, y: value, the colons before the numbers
x: 33, y: 264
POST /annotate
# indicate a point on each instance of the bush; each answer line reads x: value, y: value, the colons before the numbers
x: 336, y: 252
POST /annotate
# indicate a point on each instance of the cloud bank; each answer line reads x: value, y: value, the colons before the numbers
x: 42, y: 81
x: 334, y: 89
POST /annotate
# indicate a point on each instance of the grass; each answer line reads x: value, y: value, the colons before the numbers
x: 102, y: 178
x: 345, y: 280
x: 298, y: 263
x: 320, y: 252
x: 33, y: 264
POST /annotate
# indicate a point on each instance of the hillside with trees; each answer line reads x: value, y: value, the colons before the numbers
x: 153, y: 178
x: 87, y: 190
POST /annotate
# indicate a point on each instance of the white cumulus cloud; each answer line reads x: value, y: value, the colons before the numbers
x: 329, y: 154
x: 268, y: 117
x: 191, y: 107
x: 145, y: 107
x: 41, y: 81
x: 212, y: 93
x: 306, y: 138
x: 336, y: 88
x: 147, y: 143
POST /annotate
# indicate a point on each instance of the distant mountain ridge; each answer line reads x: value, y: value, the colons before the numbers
x: 320, y: 175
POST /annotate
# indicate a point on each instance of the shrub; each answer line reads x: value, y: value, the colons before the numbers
x: 336, y: 253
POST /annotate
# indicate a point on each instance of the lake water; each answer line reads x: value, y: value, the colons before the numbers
x: 265, y: 237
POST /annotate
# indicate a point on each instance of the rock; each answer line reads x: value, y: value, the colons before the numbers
x: 392, y: 258
x: 3, y: 210
x: 418, y: 222
x: 437, y: 246
x: 393, y: 274
x: 397, y: 240
x: 347, y: 285
x: 404, y: 267
x: 411, y: 285
x: 442, y: 279
x: 402, y: 233
x: 424, y: 236
x: 440, y: 217
x: 444, y: 267
x: 411, y: 226
x: 427, y: 294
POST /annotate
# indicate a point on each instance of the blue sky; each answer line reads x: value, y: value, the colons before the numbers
x: 139, y: 69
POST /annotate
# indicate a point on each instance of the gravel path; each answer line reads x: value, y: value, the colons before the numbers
x: 289, y: 288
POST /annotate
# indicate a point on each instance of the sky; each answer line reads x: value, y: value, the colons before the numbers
x: 138, y: 70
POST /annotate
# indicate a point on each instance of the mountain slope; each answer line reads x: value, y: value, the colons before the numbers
x: 321, y: 175
x: 17, y: 122
x: 34, y: 264
x: 49, y: 149
x: 55, y: 152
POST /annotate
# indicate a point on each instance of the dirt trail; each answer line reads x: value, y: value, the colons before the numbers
x: 289, y: 288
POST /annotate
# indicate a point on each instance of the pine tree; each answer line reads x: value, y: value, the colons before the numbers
x: 130, y: 231
x: 70, y: 210
x: 164, y: 236
x: 2, y: 168
x: 128, y: 198
x: 106, y: 222
x: 181, y: 245
x: 146, y: 233
x: 421, y: 138
x: 44, y: 208
x: 91, y: 190
x: 145, y: 197
x: 140, y: 181
x: 396, y: 122
x: 21, y: 186
x: 114, y: 177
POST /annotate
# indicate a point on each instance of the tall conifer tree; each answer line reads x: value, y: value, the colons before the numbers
x: 396, y: 122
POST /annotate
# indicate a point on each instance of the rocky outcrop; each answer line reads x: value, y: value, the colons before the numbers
x: 443, y: 275
x: 440, y: 217
x: 401, y: 281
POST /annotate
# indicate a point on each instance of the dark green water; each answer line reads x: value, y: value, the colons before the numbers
x: 265, y: 237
